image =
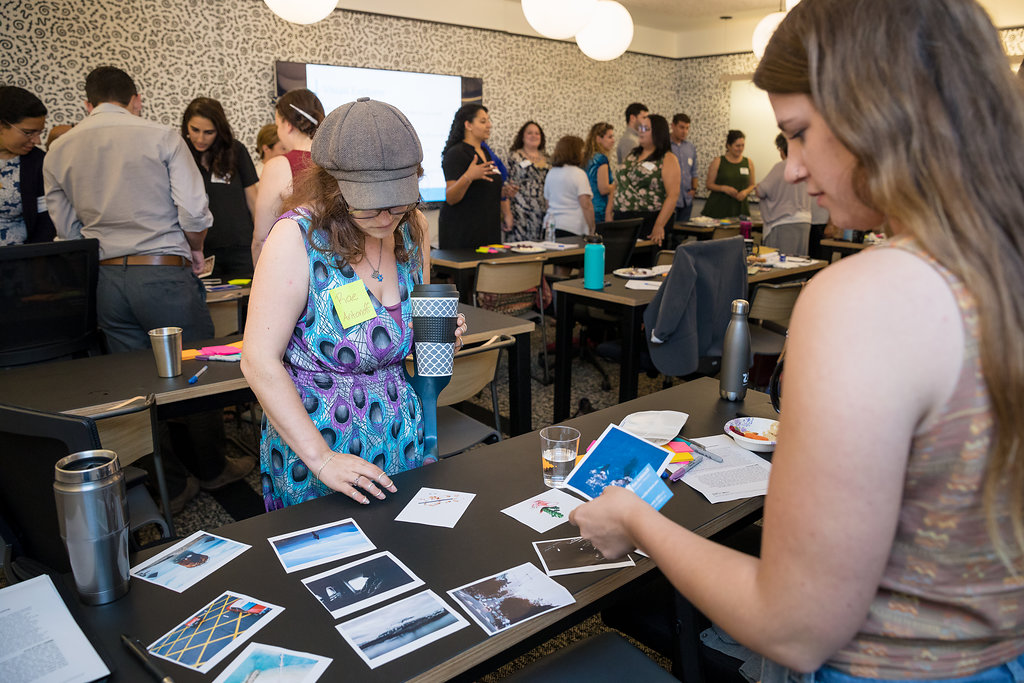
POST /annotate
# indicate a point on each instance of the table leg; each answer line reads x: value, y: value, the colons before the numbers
x: 563, y: 355
x: 632, y: 318
x: 161, y: 479
x: 520, y: 404
x: 465, y: 280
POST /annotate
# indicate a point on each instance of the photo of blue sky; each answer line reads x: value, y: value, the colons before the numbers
x: 320, y: 544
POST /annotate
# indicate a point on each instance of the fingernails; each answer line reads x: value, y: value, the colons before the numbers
x: 365, y: 501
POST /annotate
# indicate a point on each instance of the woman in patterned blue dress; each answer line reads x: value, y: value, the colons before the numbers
x: 328, y: 327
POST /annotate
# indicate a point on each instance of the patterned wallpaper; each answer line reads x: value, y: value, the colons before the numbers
x: 180, y: 49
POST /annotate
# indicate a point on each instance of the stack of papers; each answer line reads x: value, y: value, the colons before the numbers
x: 741, y: 474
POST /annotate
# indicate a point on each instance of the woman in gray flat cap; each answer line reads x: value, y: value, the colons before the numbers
x: 328, y: 327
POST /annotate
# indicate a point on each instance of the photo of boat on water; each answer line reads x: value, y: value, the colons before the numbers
x: 360, y: 584
x: 401, y: 627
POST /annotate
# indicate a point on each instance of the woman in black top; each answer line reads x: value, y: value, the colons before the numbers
x: 230, y: 179
x: 473, y: 210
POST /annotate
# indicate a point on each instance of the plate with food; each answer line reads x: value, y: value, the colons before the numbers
x: 527, y: 249
x: 634, y: 273
x: 753, y: 433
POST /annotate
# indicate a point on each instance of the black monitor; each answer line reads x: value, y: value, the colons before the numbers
x: 48, y: 300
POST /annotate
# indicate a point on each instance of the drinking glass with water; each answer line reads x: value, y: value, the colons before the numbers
x: 559, y: 447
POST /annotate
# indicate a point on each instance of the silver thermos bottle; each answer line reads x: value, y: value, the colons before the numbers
x: 92, y: 510
x: 736, y: 359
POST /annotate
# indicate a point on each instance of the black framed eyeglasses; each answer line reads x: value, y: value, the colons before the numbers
x: 366, y: 214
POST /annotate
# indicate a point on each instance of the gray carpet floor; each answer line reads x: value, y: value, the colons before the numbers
x: 204, y: 512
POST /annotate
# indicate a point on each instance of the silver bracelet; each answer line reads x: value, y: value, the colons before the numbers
x: 329, y: 458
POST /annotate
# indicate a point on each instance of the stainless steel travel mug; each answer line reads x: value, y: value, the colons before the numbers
x: 92, y: 510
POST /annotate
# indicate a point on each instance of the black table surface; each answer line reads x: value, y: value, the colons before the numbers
x: 484, y: 542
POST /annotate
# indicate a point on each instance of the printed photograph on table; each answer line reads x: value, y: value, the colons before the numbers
x: 401, y: 627
x: 203, y: 640
x: 320, y: 544
x: 436, y: 507
x: 259, y: 662
x: 186, y: 563
x: 574, y: 555
x: 511, y: 597
x: 615, y: 459
x: 362, y: 583
x: 544, y: 511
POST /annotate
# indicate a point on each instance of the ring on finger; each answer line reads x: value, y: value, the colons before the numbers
x: 356, y: 482
x: 380, y: 475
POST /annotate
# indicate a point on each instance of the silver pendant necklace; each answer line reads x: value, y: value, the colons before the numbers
x: 376, y: 271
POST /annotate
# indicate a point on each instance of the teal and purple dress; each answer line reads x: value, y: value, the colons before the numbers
x: 350, y: 381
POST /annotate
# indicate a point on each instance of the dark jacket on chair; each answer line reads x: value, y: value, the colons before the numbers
x: 38, y: 226
x: 690, y: 312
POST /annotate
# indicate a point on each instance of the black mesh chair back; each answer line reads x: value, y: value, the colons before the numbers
x: 619, y: 241
x: 31, y: 443
x: 48, y: 301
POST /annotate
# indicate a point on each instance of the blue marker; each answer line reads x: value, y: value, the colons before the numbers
x: 195, y: 378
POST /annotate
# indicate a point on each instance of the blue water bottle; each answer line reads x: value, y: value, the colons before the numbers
x: 593, y: 263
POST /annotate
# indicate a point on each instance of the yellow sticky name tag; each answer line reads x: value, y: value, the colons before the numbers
x: 352, y: 302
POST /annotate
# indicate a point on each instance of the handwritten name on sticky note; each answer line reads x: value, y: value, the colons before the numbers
x: 352, y: 304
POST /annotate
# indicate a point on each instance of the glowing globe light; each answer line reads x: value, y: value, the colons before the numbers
x: 608, y: 34
x: 558, y: 19
x: 764, y: 30
x: 302, y: 11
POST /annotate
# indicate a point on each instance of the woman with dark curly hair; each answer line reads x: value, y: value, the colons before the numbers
x: 231, y: 182
x: 23, y: 215
x: 528, y: 166
x: 329, y: 315
x: 473, y: 212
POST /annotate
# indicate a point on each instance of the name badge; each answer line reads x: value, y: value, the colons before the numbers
x: 689, y: 161
x: 352, y: 303
x: 649, y: 166
x: 744, y: 171
x: 525, y: 163
x: 40, y: 204
x: 225, y: 180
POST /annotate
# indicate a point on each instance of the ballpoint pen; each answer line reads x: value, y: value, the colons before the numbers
x: 195, y: 378
x: 700, y: 448
x: 139, y: 650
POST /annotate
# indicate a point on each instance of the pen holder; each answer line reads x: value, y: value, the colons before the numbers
x: 435, y: 309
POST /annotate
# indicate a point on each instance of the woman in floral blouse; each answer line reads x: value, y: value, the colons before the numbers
x: 648, y: 182
x: 528, y: 165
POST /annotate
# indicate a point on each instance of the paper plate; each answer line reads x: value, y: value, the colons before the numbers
x: 634, y: 273
x: 528, y: 250
x: 759, y: 425
x: 657, y: 426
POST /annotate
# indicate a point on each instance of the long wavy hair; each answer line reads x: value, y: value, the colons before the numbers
x: 591, y: 148
x: 517, y: 143
x: 318, y: 191
x: 937, y: 134
x: 306, y: 101
x: 222, y: 151
x: 457, y: 134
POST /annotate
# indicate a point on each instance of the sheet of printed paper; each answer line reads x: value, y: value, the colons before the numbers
x: 39, y: 636
x: 544, y: 511
x: 615, y: 459
x: 511, y: 597
x: 266, y: 662
x: 741, y: 474
x: 325, y: 543
x: 436, y: 507
x: 388, y: 633
x: 575, y: 555
x: 203, y: 640
x: 357, y: 585
x: 185, y: 564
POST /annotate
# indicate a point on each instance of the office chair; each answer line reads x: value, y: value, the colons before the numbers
x: 619, y: 241
x: 31, y: 443
x: 510, y: 286
x: 48, y: 301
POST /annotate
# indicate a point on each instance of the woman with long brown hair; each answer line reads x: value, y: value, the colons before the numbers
x: 329, y: 314
x: 600, y: 143
x: 230, y: 180
x: 892, y: 550
x: 297, y: 115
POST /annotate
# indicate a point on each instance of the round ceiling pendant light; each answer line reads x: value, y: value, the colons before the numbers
x: 304, y: 12
x: 608, y: 33
x: 790, y: 4
x: 764, y: 30
x: 558, y: 19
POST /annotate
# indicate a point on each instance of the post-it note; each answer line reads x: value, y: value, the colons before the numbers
x: 352, y: 303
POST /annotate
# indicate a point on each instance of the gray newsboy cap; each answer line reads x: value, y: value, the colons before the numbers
x: 373, y: 151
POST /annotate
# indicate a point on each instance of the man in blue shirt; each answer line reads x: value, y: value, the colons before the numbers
x: 686, y: 153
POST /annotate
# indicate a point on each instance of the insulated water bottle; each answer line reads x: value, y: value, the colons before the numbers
x: 92, y: 510
x: 736, y: 357
x: 593, y: 263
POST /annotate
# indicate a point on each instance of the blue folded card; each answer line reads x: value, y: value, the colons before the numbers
x: 650, y: 487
